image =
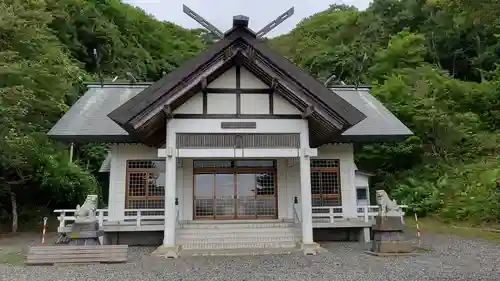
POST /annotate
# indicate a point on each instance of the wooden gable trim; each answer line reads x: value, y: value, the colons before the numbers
x: 177, y: 98
x: 130, y: 109
x: 292, y: 95
x: 331, y: 113
x: 243, y: 91
x: 280, y: 64
x: 323, y: 126
x: 238, y: 88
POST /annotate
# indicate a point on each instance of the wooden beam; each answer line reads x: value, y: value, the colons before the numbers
x: 309, y: 110
x: 234, y: 90
x: 274, y: 84
x: 251, y: 53
x: 204, y: 85
x: 236, y: 116
x: 228, y: 53
x: 238, y: 88
x: 168, y: 111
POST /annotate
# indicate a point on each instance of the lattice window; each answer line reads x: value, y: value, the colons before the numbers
x: 325, y: 182
x: 265, y: 199
x: 145, y: 185
x: 324, y: 163
x: 235, y: 189
x: 234, y: 164
x: 238, y: 140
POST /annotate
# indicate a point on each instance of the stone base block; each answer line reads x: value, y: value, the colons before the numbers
x: 311, y: 249
x: 84, y: 226
x: 387, y: 223
x: 392, y: 246
x: 166, y: 252
x: 364, y: 235
x: 388, y: 236
x: 84, y: 242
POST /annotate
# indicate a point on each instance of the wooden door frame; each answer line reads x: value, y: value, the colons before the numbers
x: 330, y: 195
x: 234, y: 171
x: 147, y: 172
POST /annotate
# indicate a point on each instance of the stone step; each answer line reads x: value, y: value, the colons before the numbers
x: 233, y: 235
x: 210, y: 231
x: 238, y: 252
x: 238, y: 245
x: 194, y: 235
x: 216, y: 239
x: 236, y: 225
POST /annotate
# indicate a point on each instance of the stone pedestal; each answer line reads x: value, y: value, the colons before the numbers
x: 85, y: 233
x: 389, y: 236
x: 166, y: 252
x: 311, y: 249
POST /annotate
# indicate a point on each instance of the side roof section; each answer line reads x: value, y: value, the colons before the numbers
x: 87, y: 121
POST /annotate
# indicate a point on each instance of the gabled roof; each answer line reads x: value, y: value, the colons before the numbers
x: 106, y: 164
x: 379, y: 125
x: 87, y: 121
x: 114, y: 112
x: 239, y: 45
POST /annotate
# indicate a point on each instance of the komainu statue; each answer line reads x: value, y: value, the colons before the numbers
x: 388, y: 207
x: 87, y: 212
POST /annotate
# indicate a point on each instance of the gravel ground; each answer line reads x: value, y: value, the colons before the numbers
x: 451, y: 258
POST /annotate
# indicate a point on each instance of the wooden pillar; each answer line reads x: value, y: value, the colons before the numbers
x: 170, y: 188
x: 305, y: 188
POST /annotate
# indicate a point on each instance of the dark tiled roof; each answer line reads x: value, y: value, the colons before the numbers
x: 87, y: 119
x: 379, y: 123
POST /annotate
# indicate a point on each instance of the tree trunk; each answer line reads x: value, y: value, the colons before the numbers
x: 479, y: 56
x: 13, y: 201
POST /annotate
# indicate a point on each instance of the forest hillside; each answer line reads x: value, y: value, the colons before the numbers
x: 434, y: 63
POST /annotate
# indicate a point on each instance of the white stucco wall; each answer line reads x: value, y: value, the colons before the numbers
x: 249, y: 81
x: 251, y: 103
x: 362, y: 180
x: 226, y: 80
x: 345, y: 154
x: 288, y: 177
x: 288, y: 169
x: 193, y: 106
x: 120, y: 153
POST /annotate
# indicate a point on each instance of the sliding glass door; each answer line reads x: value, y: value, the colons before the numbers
x: 244, y: 189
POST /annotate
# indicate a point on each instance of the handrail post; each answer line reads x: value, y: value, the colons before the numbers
x: 176, y: 211
x: 365, y: 211
x: 294, y: 209
x: 330, y: 210
x: 138, y: 218
x: 101, y: 218
x: 61, y: 219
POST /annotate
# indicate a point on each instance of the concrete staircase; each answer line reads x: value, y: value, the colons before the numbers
x: 237, y: 238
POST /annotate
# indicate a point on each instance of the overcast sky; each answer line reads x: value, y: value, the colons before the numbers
x: 220, y: 12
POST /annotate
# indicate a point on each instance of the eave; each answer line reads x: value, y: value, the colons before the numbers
x: 328, y: 114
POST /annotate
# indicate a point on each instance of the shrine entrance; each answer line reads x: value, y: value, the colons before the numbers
x: 235, y: 189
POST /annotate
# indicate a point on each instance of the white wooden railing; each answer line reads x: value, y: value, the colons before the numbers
x: 137, y: 216
x: 296, y: 217
x: 363, y: 213
x: 142, y: 216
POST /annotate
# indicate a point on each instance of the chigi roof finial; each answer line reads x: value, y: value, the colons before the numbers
x: 238, y: 21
